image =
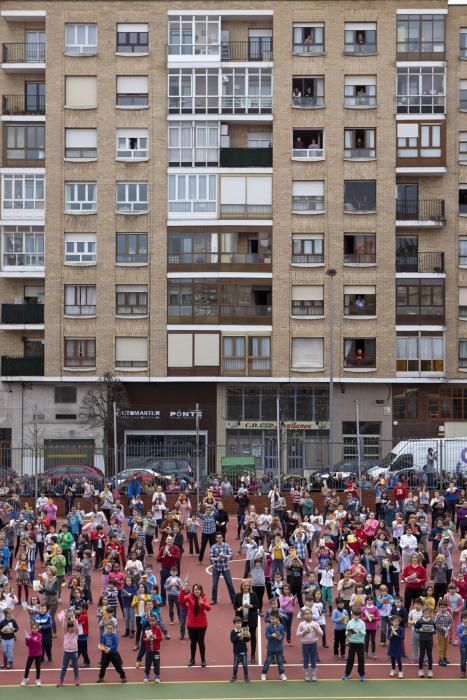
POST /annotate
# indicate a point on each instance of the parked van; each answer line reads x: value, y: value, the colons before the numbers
x: 449, y: 456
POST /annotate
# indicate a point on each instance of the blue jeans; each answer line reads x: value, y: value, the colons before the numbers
x: 288, y: 625
x: 69, y: 657
x: 183, y: 616
x: 228, y: 582
x: 384, y: 621
x: 164, y: 576
x: 173, y: 603
x: 277, y: 568
x: 8, y: 647
x: 279, y: 657
x: 240, y: 659
x: 463, y: 651
x: 310, y: 653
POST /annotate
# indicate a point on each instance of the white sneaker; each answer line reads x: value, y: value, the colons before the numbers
x: 421, y: 674
x: 401, y: 675
x: 283, y: 677
x: 24, y: 681
x: 430, y: 674
x: 392, y: 673
x: 146, y: 679
x: 314, y: 677
x: 157, y: 679
x: 263, y: 677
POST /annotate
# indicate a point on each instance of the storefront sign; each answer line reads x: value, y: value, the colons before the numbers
x: 139, y: 414
x: 182, y: 415
x: 271, y: 425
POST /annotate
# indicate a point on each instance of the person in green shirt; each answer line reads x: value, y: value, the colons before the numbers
x: 307, y: 505
x: 355, y: 633
x: 59, y: 562
x: 65, y: 540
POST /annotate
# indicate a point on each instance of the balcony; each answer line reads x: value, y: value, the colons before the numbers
x: 23, y: 58
x: 257, y: 49
x: 22, y: 366
x: 220, y: 313
x: 22, y: 314
x: 420, y: 262
x: 422, y: 212
x: 245, y: 211
x: 24, y: 106
x: 226, y: 104
x: 224, y: 262
x: 246, y: 157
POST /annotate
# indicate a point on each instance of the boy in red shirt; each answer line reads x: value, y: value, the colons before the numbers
x: 152, y: 642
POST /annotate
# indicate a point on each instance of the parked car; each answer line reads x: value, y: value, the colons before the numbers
x: 347, y: 468
x: 124, y: 477
x: 72, y: 472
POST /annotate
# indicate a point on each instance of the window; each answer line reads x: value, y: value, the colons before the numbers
x: 246, y: 90
x: 359, y: 353
x: 132, y: 197
x: 421, y: 90
x: 419, y: 300
x: 447, y: 402
x: 192, y: 194
x: 463, y: 302
x: 462, y: 146
x: 193, y: 248
x: 132, y: 90
x: 80, y: 197
x: 360, y: 90
x: 462, y: 199
x: 131, y: 353
x: 188, y: 350
x: 307, y: 249
x: 418, y: 140
x: 23, y: 193
x: 80, y: 300
x: 308, y: 38
x: 194, y: 91
x: 359, y: 249
x: 360, y: 38
x: 132, y: 38
x: 80, y: 39
x: 420, y: 36
x: 81, y: 91
x: 359, y: 143
x: 420, y: 352
x: 81, y: 143
x: 194, y: 35
x: 359, y: 196
x: 307, y: 144
x: 462, y: 251
x: 132, y: 144
x: 25, y: 143
x: 307, y: 301
x: 307, y: 196
x: 132, y: 248
x: 190, y: 300
x: 193, y: 143
x: 463, y: 42
x: 23, y: 246
x: 245, y: 197
x: 463, y: 94
x: 405, y: 403
x: 369, y: 440
x: 65, y: 394
x: 80, y: 248
x: 307, y: 353
x: 308, y: 91
x: 80, y: 352
x: 463, y: 354
x: 233, y: 353
x: 259, y: 354
x: 131, y: 300
x: 359, y: 300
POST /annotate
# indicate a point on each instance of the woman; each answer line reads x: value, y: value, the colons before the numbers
x: 415, y: 577
x: 183, y: 507
x: 278, y: 504
x: 246, y: 606
x: 197, y: 622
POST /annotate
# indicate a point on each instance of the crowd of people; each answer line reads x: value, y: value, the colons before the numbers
x: 321, y: 569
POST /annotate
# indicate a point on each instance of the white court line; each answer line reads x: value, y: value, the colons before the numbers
x: 259, y: 642
x: 129, y: 668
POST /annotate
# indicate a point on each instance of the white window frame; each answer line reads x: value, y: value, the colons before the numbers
x: 27, y: 251
x: 87, y: 140
x: 132, y: 28
x: 140, y: 96
x: 308, y: 196
x: 314, y: 48
x: 422, y: 101
x: 26, y: 198
x: 193, y: 143
x: 81, y: 247
x: 182, y: 204
x: 355, y: 101
x: 76, y: 48
x: 124, y: 151
x: 187, y: 27
x: 136, y: 205
x: 417, y: 339
x: 463, y: 146
x: 73, y: 205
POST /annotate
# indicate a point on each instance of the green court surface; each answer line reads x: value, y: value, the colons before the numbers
x: 256, y: 690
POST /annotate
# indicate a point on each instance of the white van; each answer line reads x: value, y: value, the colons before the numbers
x: 451, y: 456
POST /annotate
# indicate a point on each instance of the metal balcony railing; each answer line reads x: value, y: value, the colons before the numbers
x: 212, y: 312
x: 257, y: 49
x: 246, y: 211
x: 420, y: 210
x: 22, y: 105
x: 23, y: 53
x: 22, y: 366
x: 359, y: 258
x: 369, y: 309
x: 420, y: 262
x: 246, y: 157
x: 20, y: 314
x: 215, y: 258
x: 307, y: 102
x: 308, y: 258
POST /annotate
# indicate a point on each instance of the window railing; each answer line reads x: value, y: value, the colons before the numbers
x: 216, y: 257
x: 302, y: 308
x: 23, y: 53
x: 421, y: 104
x: 80, y: 310
x: 420, y: 262
x: 246, y: 157
x: 360, y: 101
x: 420, y: 210
x: 81, y: 153
x: 308, y: 258
x: 132, y: 99
x: 22, y: 105
x: 22, y: 366
x: 22, y: 313
x: 307, y: 153
x: 211, y: 312
x: 359, y: 258
x: 23, y: 259
x: 362, y: 49
x: 368, y: 309
x: 246, y: 211
x: 307, y: 203
x: 307, y: 102
x: 257, y: 49
x: 420, y: 50
x: 306, y: 48
x: 365, y: 361
x: 360, y: 153
x: 226, y: 104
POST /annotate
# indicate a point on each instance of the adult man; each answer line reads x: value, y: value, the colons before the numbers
x: 208, y: 530
x: 222, y: 518
x: 220, y: 555
x: 168, y: 557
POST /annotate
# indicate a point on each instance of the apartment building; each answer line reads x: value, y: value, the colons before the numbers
x: 226, y: 203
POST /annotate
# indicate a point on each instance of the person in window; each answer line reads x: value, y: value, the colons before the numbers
x: 360, y: 38
x: 361, y: 92
x: 309, y: 92
x: 360, y: 301
x: 359, y: 354
x: 313, y: 145
x: 298, y: 142
x: 308, y: 41
x: 296, y: 92
x: 359, y: 142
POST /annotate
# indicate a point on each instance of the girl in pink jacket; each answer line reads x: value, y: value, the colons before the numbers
x: 34, y: 645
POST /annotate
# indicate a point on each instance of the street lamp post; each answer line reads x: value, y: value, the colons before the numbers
x: 331, y: 273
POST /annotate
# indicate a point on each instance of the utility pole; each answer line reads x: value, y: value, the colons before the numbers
x: 359, y: 451
x: 114, y: 405
x: 278, y: 438
x: 197, y: 456
x: 331, y: 273
x: 36, y: 439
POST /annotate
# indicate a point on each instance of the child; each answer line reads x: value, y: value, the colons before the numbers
x: 111, y: 593
x: 327, y: 582
x: 355, y: 633
x: 34, y: 645
x: 309, y: 632
x: 183, y: 595
x: 173, y: 586
x: 414, y: 615
x: 44, y: 620
x: 152, y: 643
x: 396, y: 636
x: 359, y: 597
x: 287, y: 603
x: 127, y: 594
x: 370, y: 616
x: 8, y: 629
x: 443, y: 623
x: 318, y: 610
x: 192, y: 527
x: 384, y: 603
x: 109, y: 649
x: 462, y: 637
x: 70, y: 647
x: 340, y: 618
x: 22, y: 576
x: 258, y: 581
x: 275, y: 647
x: 455, y: 604
x: 276, y: 585
x: 274, y: 609
x: 239, y: 637
x: 426, y: 628
x: 83, y: 633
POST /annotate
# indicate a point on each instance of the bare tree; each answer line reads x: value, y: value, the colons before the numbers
x: 96, y: 409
